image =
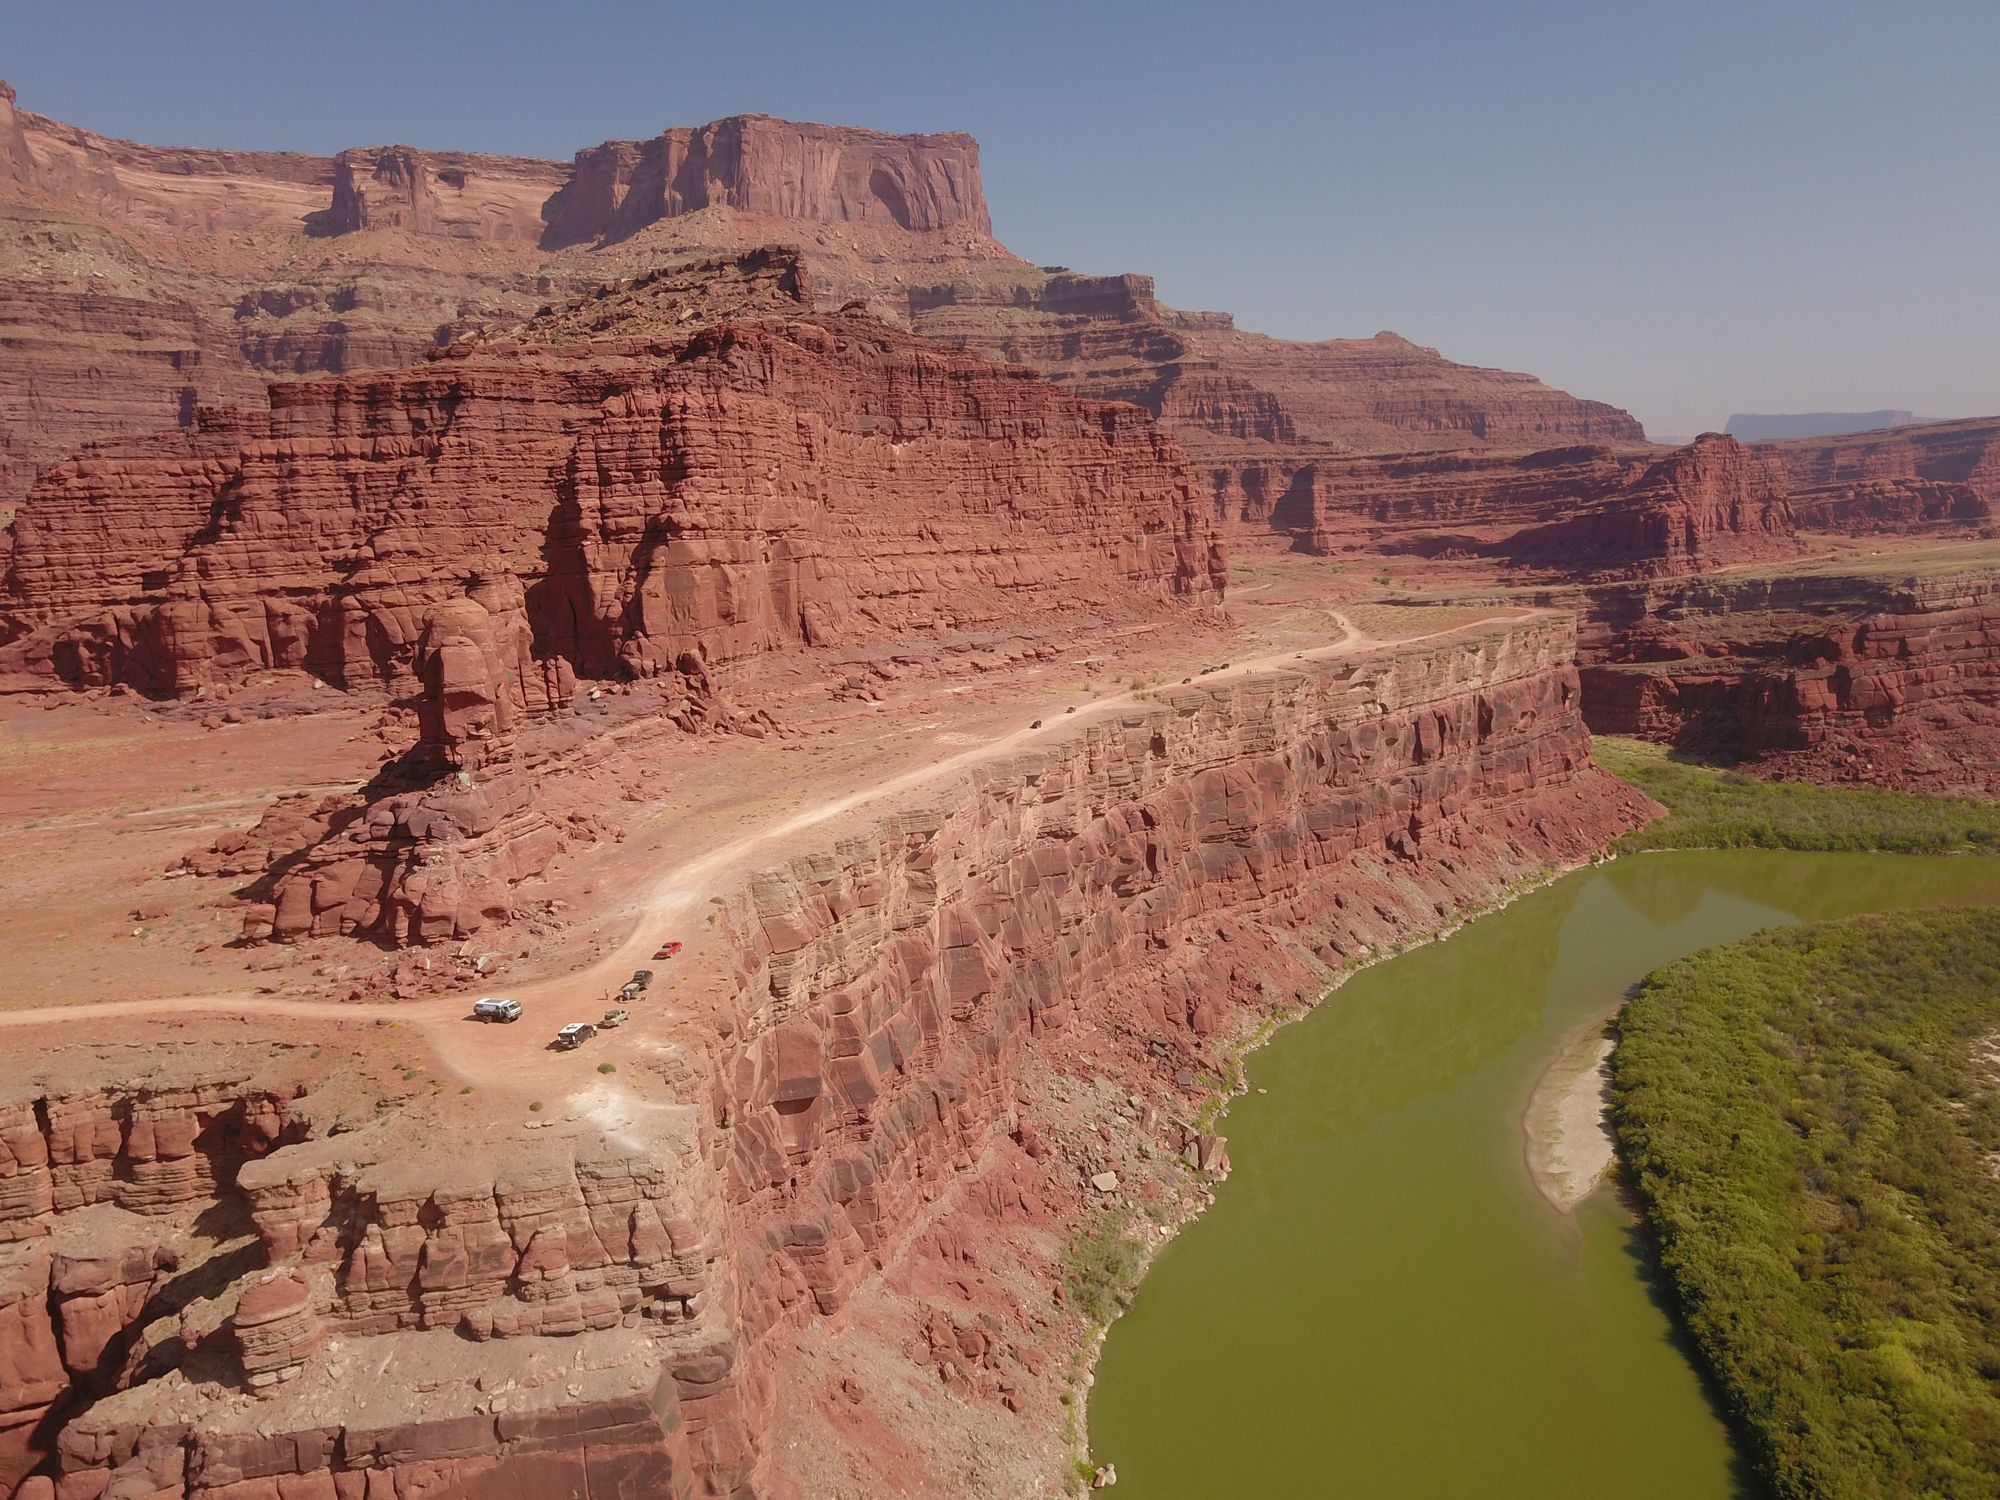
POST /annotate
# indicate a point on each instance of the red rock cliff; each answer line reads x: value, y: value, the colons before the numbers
x: 1827, y: 676
x: 751, y: 487
x: 1712, y: 502
x: 818, y: 174
x: 1931, y: 476
x: 1153, y: 878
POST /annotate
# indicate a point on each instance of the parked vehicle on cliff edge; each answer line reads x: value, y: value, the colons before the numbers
x: 574, y: 1035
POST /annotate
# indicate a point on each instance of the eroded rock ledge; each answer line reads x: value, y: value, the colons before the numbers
x: 1138, y: 889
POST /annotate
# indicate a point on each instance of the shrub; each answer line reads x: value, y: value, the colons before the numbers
x: 1101, y: 1266
x: 1712, y: 808
x: 1811, y: 1137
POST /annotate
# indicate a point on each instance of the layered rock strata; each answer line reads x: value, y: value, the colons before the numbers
x: 1936, y: 476
x: 1827, y: 675
x: 1588, y: 510
x: 93, y: 1187
x: 1158, y: 879
x: 635, y: 508
x: 1224, y: 391
x: 140, y: 283
x: 823, y: 174
x: 1710, y: 504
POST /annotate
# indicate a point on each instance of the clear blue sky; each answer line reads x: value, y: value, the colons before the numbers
x: 1685, y: 208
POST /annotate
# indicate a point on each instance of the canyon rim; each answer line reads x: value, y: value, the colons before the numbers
x: 922, y: 713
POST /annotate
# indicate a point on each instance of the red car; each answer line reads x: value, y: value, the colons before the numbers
x: 668, y: 950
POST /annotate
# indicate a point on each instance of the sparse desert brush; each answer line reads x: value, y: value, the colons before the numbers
x: 1101, y: 1265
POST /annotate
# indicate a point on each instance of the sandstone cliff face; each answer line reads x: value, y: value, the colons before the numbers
x: 1159, y: 876
x: 1582, y: 511
x: 481, y: 532
x: 1709, y: 503
x: 196, y: 271
x: 1829, y: 677
x: 453, y: 195
x: 1940, y: 476
x: 815, y: 174
x: 893, y: 986
x: 89, y: 1185
x: 1225, y: 392
x: 751, y: 488
x: 1426, y: 503
x: 1389, y: 393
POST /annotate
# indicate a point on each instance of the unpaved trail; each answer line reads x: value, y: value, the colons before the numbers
x: 469, y: 1050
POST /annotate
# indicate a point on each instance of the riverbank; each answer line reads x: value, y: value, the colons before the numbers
x: 1379, y: 1255
x: 1199, y: 1197
x: 1864, y: 1369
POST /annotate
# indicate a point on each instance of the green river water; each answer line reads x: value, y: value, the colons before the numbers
x: 1380, y: 1304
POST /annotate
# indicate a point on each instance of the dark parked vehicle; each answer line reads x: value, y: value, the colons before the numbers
x: 574, y: 1035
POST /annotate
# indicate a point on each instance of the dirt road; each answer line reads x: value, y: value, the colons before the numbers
x: 669, y: 905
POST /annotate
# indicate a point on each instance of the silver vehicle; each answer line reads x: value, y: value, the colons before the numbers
x: 490, y: 1009
x: 614, y: 1017
x: 574, y: 1035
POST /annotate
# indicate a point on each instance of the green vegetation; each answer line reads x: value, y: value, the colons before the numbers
x: 1101, y: 1266
x: 1811, y: 1120
x: 1710, y: 808
x: 607, y: 1067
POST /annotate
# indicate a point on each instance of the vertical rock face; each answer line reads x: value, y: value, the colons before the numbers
x: 1835, y: 678
x: 150, y: 281
x: 1582, y: 510
x: 897, y: 982
x: 1233, y: 396
x: 453, y: 195
x: 816, y: 174
x: 749, y: 488
x: 91, y: 1183
x: 1933, y: 476
x: 1425, y: 502
x: 1711, y: 502
x: 1142, y: 877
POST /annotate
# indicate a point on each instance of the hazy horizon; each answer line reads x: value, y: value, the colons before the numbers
x: 1789, y: 210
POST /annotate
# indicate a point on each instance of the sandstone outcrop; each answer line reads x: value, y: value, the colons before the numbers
x: 1711, y: 503
x: 1428, y: 504
x: 1828, y: 675
x: 92, y: 1185
x: 637, y: 508
x: 455, y: 195
x: 1244, y: 397
x: 1587, y: 510
x: 815, y: 174
x: 1934, y: 476
x: 478, y: 533
x: 141, y: 283
x: 1165, y: 877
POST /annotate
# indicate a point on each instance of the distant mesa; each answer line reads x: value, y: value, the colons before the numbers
x: 1749, y: 427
